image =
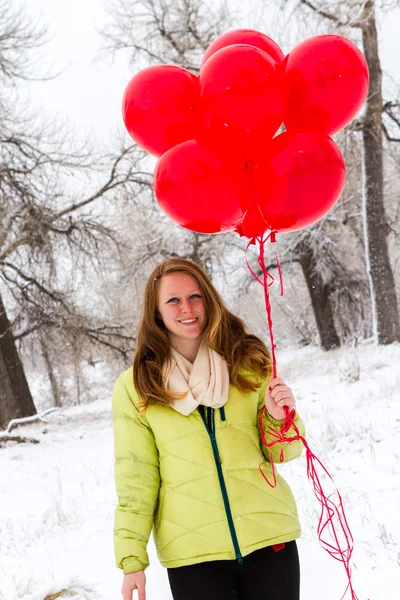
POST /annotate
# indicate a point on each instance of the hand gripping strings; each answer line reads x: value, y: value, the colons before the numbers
x: 333, y: 529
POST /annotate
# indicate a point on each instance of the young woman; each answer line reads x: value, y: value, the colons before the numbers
x: 188, y: 450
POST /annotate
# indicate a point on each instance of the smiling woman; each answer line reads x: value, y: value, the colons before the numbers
x: 187, y: 449
x: 181, y: 308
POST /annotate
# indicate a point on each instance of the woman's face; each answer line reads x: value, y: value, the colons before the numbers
x: 181, y: 305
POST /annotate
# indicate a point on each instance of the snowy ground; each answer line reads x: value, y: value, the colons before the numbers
x: 57, y: 497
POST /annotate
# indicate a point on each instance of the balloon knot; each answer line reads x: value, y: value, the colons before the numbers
x: 239, y: 229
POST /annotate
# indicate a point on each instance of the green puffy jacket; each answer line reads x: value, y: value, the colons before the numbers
x: 196, y: 480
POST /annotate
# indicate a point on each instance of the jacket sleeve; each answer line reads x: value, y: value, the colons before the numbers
x: 291, y: 450
x: 137, y: 480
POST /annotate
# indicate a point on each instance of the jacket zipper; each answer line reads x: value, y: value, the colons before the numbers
x: 224, y: 492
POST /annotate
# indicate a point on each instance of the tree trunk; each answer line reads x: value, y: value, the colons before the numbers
x: 386, y: 322
x: 15, y: 397
x: 52, y: 377
x: 320, y: 299
x: 195, y: 254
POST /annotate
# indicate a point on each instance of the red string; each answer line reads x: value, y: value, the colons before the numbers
x: 280, y: 274
x: 332, y: 518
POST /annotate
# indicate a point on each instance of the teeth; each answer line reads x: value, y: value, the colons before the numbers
x: 189, y: 321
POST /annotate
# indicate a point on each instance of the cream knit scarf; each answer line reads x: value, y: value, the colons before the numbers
x: 206, y: 381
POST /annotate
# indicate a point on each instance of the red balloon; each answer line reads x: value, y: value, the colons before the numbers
x: 324, y: 83
x: 240, y: 101
x: 295, y: 184
x: 245, y: 36
x: 159, y: 107
x: 199, y: 191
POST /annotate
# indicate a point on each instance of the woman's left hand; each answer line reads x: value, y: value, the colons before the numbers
x: 277, y: 396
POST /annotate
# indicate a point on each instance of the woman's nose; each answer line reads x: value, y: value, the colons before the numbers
x: 185, y: 306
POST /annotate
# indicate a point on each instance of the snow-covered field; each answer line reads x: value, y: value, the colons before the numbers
x: 57, y: 497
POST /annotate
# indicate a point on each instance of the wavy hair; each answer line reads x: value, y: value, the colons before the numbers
x: 224, y: 332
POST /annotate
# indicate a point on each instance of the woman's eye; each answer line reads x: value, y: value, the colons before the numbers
x: 192, y: 297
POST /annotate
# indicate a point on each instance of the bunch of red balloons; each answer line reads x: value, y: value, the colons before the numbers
x: 245, y: 146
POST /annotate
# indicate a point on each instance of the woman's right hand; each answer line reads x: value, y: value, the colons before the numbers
x: 134, y: 581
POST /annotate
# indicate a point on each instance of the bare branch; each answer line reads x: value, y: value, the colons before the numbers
x: 343, y: 15
x: 5, y: 437
x: 109, y: 344
x: 388, y: 109
x: 321, y: 12
x: 114, y: 180
x: 169, y: 32
x: 27, y: 420
x: 56, y: 297
x: 19, y: 38
x: 387, y: 134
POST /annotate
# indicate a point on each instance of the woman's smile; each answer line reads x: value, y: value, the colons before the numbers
x: 189, y: 322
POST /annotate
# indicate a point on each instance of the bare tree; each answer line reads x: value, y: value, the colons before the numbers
x: 352, y: 15
x: 51, y: 229
x: 337, y: 291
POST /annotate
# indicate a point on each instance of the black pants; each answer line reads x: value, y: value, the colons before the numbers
x: 264, y: 575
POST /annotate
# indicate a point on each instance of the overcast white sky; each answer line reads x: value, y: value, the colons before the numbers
x: 88, y: 94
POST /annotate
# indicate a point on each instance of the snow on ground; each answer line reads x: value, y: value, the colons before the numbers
x: 57, y: 497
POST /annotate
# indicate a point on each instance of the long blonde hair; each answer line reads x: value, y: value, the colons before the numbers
x: 224, y: 332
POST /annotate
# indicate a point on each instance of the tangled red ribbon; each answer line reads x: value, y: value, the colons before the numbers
x: 333, y: 529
